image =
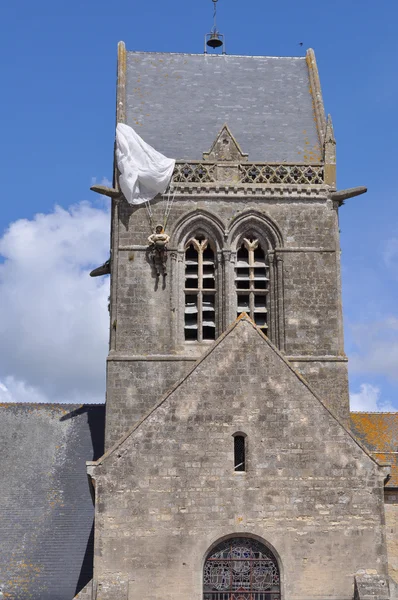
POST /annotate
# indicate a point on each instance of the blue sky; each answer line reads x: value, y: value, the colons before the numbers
x: 58, y: 109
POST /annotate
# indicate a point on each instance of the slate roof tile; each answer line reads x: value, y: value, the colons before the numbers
x: 379, y: 432
x: 47, y: 512
x: 179, y: 102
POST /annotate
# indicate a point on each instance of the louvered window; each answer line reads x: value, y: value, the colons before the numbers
x: 200, y: 291
x: 252, y: 282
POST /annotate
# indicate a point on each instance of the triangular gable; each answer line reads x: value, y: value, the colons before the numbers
x: 225, y: 148
x: 242, y: 321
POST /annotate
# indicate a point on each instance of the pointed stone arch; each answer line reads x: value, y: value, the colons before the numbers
x: 263, y: 225
x: 198, y: 221
x: 200, y: 310
x: 265, y: 306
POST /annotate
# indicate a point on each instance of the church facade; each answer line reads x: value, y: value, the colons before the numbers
x: 231, y: 468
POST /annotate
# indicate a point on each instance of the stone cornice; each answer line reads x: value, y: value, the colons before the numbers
x: 292, y: 249
x: 114, y: 357
x: 245, y: 190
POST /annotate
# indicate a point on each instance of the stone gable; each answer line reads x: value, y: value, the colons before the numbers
x: 169, y: 491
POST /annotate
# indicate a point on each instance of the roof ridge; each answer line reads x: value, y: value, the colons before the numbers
x: 68, y: 404
x: 212, y: 56
x: 373, y: 412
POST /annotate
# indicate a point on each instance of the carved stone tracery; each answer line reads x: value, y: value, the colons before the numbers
x: 283, y: 173
x: 226, y: 164
x: 265, y: 290
x: 247, y: 174
x: 194, y: 173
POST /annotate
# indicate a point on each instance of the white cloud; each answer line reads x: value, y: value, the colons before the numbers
x: 18, y: 391
x: 377, y: 348
x: 368, y: 400
x: 53, y: 316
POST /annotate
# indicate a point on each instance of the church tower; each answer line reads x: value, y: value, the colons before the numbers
x: 253, y: 224
x: 230, y: 471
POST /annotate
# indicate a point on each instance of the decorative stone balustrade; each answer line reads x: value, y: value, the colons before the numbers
x: 208, y: 175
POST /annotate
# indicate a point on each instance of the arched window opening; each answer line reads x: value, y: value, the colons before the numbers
x: 239, y: 452
x: 200, y: 291
x: 252, y: 282
x: 241, y: 569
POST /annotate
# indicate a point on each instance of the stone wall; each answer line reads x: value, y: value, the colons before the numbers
x: 147, y: 314
x: 330, y: 380
x: 169, y: 492
x: 134, y: 387
x: 391, y: 509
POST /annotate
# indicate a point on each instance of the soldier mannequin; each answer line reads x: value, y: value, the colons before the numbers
x: 158, y: 242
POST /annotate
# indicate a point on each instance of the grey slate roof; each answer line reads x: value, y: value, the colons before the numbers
x: 179, y: 102
x: 46, y: 513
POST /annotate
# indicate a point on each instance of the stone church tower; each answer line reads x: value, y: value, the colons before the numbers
x: 230, y: 471
x: 256, y: 161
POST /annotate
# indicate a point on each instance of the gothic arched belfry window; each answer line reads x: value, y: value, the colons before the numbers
x: 252, y: 281
x: 256, y: 275
x: 218, y: 274
x: 200, y: 290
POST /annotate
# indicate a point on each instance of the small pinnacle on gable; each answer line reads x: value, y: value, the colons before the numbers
x: 329, y: 134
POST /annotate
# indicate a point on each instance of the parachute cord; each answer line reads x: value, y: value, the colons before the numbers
x: 149, y: 213
x: 169, y: 206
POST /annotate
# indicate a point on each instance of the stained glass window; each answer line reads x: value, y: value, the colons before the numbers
x: 241, y: 569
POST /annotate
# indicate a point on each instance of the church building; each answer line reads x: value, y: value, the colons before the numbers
x: 230, y: 467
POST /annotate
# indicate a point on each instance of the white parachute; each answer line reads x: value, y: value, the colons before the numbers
x: 144, y: 172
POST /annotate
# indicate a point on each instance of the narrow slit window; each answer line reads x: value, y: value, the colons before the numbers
x: 200, y: 291
x: 252, y: 282
x: 239, y: 453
